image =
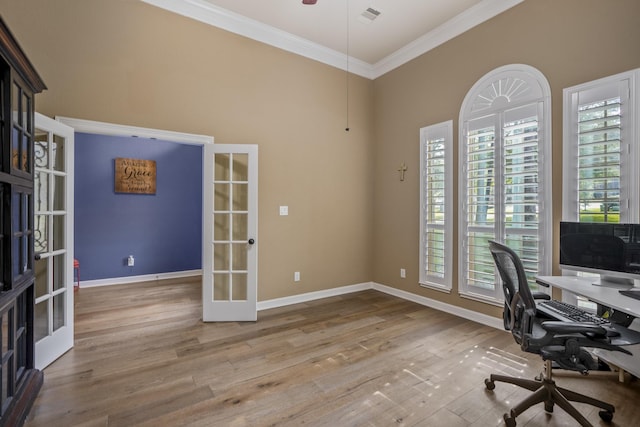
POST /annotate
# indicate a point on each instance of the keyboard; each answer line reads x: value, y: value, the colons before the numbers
x: 569, y: 313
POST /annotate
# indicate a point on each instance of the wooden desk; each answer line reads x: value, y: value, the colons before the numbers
x: 609, y: 297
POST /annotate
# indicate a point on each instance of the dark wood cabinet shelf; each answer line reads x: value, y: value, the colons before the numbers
x: 20, y: 382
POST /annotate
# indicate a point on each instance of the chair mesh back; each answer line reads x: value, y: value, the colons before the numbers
x: 514, y: 281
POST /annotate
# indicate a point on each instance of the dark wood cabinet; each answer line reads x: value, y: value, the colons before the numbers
x: 19, y: 380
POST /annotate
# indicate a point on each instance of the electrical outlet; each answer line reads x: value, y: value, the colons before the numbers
x: 403, y: 273
x: 296, y: 276
x: 131, y: 261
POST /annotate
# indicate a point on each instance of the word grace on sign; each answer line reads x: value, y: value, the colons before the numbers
x: 135, y: 176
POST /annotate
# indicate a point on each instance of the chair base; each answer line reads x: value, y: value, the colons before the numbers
x: 545, y: 390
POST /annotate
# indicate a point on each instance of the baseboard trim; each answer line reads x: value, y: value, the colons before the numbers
x: 493, y: 322
x: 343, y: 290
x: 312, y: 296
x: 137, y: 279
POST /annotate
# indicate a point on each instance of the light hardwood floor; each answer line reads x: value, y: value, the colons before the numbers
x: 143, y: 357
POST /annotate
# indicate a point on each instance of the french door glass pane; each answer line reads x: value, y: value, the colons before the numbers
x: 240, y: 167
x: 58, y: 311
x: 239, y: 256
x: 239, y: 286
x: 41, y: 234
x: 41, y: 186
x: 221, y: 226
x: 240, y: 197
x: 58, y: 272
x: 40, y: 153
x: 222, y: 172
x: 58, y: 193
x: 221, y: 254
x: 57, y: 153
x: 222, y: 194
x: 240, y: 227
x: 221, y: 287
x: 41, y: 320
x: 58, y: 231
x: 42, y: 275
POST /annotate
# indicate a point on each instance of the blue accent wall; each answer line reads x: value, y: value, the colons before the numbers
x: 163, y: 232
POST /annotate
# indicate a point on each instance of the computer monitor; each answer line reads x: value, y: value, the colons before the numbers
x: 608, y: 249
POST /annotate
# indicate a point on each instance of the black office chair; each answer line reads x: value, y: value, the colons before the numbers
x: 560, y: 343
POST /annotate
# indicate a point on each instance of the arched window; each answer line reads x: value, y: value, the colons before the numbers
x: 505, y: 177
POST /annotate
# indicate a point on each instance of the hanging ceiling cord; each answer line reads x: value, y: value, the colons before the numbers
x: 347, y: 77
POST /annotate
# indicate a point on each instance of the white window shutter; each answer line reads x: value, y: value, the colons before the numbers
x: 436, y: 205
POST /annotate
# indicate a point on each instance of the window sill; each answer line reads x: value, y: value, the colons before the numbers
x: 482, y: 298
x: 435, y: 287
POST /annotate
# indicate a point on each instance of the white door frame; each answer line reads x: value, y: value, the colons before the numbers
x: 110, y: 129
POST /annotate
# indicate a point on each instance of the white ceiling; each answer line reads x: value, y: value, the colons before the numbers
x: 403, y: 30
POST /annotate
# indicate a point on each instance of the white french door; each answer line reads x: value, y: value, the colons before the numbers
x: 230, y: 250
x: 53, y: 239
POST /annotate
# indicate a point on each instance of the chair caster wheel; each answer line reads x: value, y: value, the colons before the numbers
x: 490, y: 384
x: 509, y: 421
x: 606, y: 416
x: 548, y: 407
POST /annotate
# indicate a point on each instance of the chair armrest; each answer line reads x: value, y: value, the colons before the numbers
x: 558, y: 327
x: 541, y: 295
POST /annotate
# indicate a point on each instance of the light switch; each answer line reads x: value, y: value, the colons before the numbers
x: 284, y: 210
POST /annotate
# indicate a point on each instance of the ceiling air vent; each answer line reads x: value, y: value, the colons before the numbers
x: 370, y: 14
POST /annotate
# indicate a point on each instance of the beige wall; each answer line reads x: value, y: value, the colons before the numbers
x: 569, y: 41
x: 130, y: 63
x: 351, y: 219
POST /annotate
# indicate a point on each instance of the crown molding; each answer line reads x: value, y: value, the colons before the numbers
x: 459, y: 24
x: 207, y: 13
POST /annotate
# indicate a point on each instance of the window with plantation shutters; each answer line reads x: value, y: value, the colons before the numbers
x: 505, y: 177
x: 601, y: 155
x: 435, y: 205
x: 600, y: 159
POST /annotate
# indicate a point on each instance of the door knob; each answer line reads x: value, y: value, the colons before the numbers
x: 251, y: 241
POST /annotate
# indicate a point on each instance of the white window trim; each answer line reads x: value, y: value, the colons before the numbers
x: 470, y: 110
x: 426, y: 280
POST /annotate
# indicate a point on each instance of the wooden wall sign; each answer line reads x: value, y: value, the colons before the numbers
x: 135, y: 176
